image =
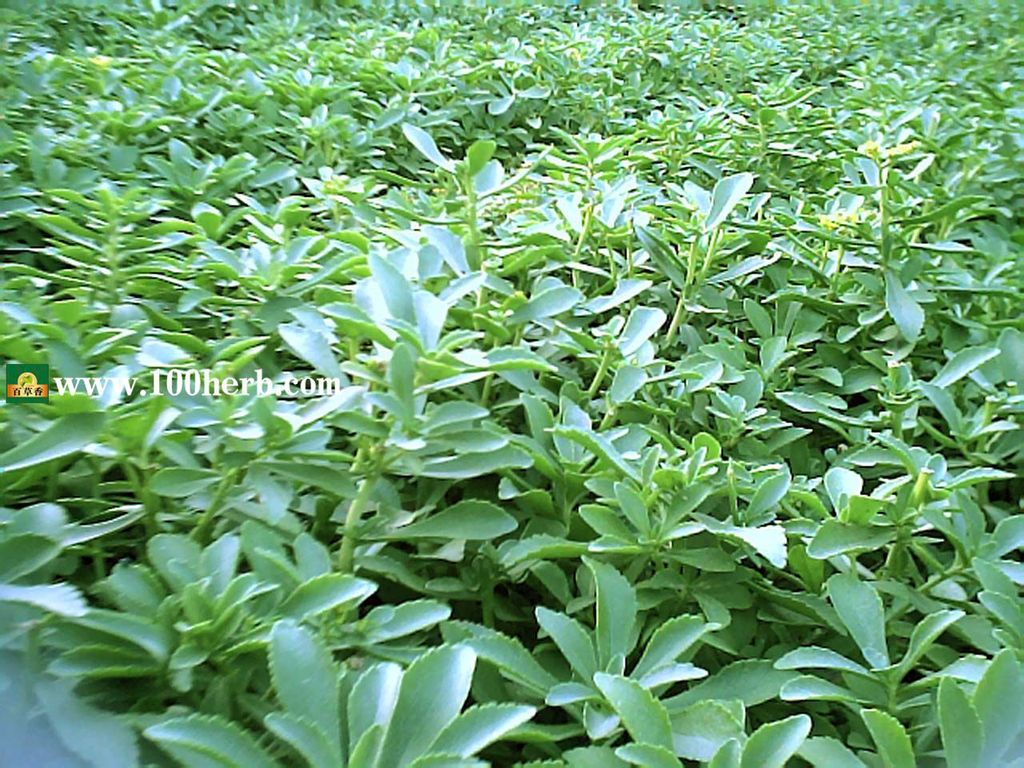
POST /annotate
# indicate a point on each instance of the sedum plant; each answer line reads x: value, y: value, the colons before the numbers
x: 675, y: 412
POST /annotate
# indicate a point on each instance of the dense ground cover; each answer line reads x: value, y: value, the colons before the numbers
x: 682, y: 353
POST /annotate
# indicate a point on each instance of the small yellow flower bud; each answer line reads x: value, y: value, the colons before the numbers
x: 902, y: 149
x: 870, y: 148
x: 102, y: 62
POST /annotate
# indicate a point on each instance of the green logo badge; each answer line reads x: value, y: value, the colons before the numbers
x: 28, y: 383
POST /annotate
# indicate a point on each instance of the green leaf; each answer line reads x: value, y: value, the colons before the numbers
x: 321, y: 476
x: 648, y: 756
x: 469, y: 519
x: 1008, y: 536
x: 305, y: 737
x: 155, y: 639
x: 330, y: 590
x: 480, y: 726
x: 811, y: 688
x: 401, y: 377
x: 395, y: 289
x: 600, y: 446
x: 826, y: 752
x: 700, y: 730
x: 925, y: 634
x: 506, y: 653
x: 433, y: 690
x: 272, y: 174
x: 905, y: 312
x: 1000, y: 706
x: 306, y: 679
x: 479, y: 154
x: 812, y: 657
x: 842, y: 484
x: 773, y: 744
x: 548, y: 303
x: 643, y: 322
x: 179, y: 482
x: 642, y: 715
x: 962, y: 364
x: 769, y: 493
x: 61, y: 599
x: 572, y: 640
x: 768, y: 540
x: 627, y: 382
x: 98, y: 737
x: 836, y: 538
x: 616, y: 612
x: 750, y: 680
x: 62, y: 438
x: 208, y: 740
x: 891, y: 739
x: 728, y: 756
x: 960, y: 725
x: 860, y: 609
x: 726, y: 196
x: 24, y: 553
x: 670, y: 641
x: 476, y: 464
x: 310, y: 346
x: 387, y: 622
x: 371, y: 703
x: 426, y: 146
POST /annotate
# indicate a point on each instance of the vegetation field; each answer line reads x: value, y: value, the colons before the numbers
x: 666, y: 370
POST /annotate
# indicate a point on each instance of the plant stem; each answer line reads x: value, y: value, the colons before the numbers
x: 883, y: 207
x: 475, y: 255
x: 606, y: 360
x: 148, y: 502
x: 608, y: 420
x: 677, y: 318
x: 201, y: 533
x: 346, y: 553
x: 584, y: 231
x: 684, y: 296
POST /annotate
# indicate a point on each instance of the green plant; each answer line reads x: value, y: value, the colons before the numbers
x: 678, y: 359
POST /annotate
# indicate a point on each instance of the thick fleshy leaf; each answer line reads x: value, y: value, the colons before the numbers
x: 616, y: 611
x: 962, y: 735
x: 642, y: 715
x: 726, y: 196
x: 700, y: 730
x: 306, y: 679
x: 903, y: 309
x: 572, y: 640
x: 479, y: 726
x: 643, y: 322
x: 891, y: 738
x: 432, y: 693
x: 205, y: 740
x: 771, y: 745
x: 426, y: 146
x: 860, y: 609
x: 670, y: 641
x: 331, y: 590
x: 1000, y: 706
x: 62, y: 438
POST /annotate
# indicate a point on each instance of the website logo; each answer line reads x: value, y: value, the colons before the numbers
x: 28, y: 383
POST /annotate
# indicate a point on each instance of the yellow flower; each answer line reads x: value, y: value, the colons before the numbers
x: 102, y: 62
x: 827, y: 221
x: 837, y: 219
x: 335, y: 185
x: 902, y: 149
x: 870, y: 148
